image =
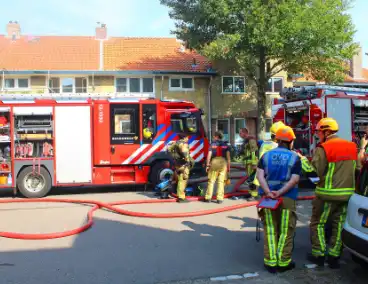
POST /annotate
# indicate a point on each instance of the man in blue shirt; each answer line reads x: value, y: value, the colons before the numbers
x: 278, y: 173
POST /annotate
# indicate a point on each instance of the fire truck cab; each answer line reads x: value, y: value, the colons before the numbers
x: 65, y: 141
x: 302, y: 108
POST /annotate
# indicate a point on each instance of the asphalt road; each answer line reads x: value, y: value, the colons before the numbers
x: 123, y: 249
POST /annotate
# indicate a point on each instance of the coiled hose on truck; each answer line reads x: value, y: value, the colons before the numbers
x: 112, y: 208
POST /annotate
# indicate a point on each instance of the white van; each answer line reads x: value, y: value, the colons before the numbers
x: 355, y: 231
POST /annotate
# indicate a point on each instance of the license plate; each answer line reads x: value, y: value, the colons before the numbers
x: 365, y: 221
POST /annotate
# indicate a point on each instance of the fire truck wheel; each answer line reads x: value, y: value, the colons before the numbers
x: 34, y: 185
x: 159, y: 171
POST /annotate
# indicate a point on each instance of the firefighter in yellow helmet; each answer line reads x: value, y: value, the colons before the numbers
x: 278, y: 173
x: 269, y: 144
x: 334, y: 161
x: 147, y: 133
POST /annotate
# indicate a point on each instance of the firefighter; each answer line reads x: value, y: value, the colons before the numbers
x: 218, y: 164
x: 183, y: 164
x: 334, y: 161
x: 269, y: 144
x: 278, y: 173
x: 251, y: 161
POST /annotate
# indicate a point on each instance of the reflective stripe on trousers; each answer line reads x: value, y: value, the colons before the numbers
x: 323, y: 212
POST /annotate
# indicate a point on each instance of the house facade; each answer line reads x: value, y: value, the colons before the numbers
x: 234, y: 101
x: 100, y: 65
x: 155, y: 67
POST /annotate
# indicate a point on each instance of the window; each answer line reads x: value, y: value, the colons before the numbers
x: 16, y: 83
x: 183, y: 84
x: 54, y: 85
x: 239, y: 123
x: 223, y: 125
x: 233, y: 85
x: 149, y: 122
x: 185, y: 122
x: 124, y: 124
x: 134, y: 85
x: 67, y: 85
x: 121, y: 85
x: 81, y: 85
x: 275, y: 85
x: 362, y: 186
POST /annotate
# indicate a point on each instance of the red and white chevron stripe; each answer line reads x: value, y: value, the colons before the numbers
x: 143, y: 153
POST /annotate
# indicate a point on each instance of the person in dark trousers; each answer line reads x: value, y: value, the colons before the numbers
x: 278, y: 173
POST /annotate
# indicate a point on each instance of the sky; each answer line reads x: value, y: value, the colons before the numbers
x: 135, y: 18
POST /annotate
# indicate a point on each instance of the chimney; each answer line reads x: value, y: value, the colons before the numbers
x: 101, y: 31
x: 13, y: 30
x: 356, y: 64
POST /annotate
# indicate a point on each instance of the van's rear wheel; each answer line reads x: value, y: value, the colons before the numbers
x: 160, y: 171
x: 33, y: 184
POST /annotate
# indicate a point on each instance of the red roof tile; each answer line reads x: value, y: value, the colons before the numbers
x: 364, y: 80
x: 150, y: 54
x: 82, y: 53
x: 49, y: 53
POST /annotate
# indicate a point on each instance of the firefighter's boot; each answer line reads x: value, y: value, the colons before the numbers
x: 164, y: 195
x: 333, y: 262
x: 290, y: 266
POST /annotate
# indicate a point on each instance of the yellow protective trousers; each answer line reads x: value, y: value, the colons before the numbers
x: 219, y: 175
x: 279, y: 230
x: 183, y: 176
x: 321, y: 212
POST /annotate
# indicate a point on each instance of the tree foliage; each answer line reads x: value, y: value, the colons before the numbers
x: 308, y: 36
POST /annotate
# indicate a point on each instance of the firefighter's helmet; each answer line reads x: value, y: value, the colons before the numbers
x: 147, y: 133
x: 191, y: 129
x: 327, y: 123
x: 286, y: 134
x: 276, y: 126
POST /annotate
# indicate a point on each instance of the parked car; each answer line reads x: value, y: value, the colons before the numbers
x: 355, y: 230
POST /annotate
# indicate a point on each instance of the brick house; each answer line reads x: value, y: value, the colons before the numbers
x: 100, y: 64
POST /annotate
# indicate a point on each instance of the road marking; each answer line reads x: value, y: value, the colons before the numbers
x: 235, y: 277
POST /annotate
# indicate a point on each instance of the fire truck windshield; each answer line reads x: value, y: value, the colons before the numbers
x: 185, y: 122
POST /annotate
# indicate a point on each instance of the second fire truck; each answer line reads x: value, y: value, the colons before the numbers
x: 302, y: 108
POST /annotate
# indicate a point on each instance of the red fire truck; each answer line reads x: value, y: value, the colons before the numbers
x: 55, y: 142
x: 302, y: 108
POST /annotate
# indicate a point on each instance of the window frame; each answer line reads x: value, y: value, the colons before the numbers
x: 273, y: 86
x: 228, y: 127
x: 16, y: 84
x: 245, y: 125
x: 140, y: 84
x: 232, y: 93
x: 171, y: 89
x: 126, y: 138
x: 144, y: 107
x: 61, y: 87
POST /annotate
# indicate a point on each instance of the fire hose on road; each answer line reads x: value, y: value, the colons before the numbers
x: 112, y: 208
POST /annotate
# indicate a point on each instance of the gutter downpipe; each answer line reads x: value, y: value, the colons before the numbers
x: 209, y: 111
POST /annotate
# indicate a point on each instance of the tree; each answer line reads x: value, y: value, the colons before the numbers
x: 308, y: 36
